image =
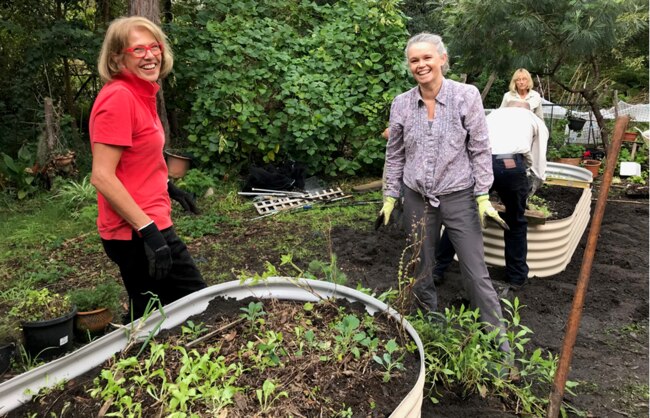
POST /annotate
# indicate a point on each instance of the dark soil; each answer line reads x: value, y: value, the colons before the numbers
x: 314, y: 386
x: 610, y: 358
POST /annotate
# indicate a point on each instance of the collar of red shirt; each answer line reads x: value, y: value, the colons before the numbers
x: 139, y: 86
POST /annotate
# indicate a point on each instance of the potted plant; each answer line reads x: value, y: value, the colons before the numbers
x: 629, y: 136
x: 571, y: 154
x: 575, y: 123
x: 96, y: 306
x: 590, y: 164
x: 46, y: 319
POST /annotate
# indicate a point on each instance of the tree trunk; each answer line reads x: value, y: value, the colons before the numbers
x: 51, y: 141
x: 69, y: 102
x: 103, y: 15
x: 146, y: 8
x: 590, y: 96
x: 151, y: 10
x: 488, y: 85
x: 168, y: 16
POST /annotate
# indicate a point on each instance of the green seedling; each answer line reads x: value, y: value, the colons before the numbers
x: 253, y: 313
x: 344, y: 412
x: 388, y: 362
x: 265, y: 395
x: 202, y: 379
x: 192, y: 330
x: 349, y: 337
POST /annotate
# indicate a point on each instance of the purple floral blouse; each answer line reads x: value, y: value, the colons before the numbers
x: 450, y: 154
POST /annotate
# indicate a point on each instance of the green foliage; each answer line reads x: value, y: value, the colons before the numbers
x: 538, y: 203
x: 329, y: 272
x: 76, y: 195
x: 193, y: 330
x: 20, y: 181
x: 205, y: 379
x: 461, y: 356
x: 196, y: 181
x: 49, y: 49
x: 553, y: 154
x: 104, y: 295
x: 287, y: 80
x: 266, y: 396
x: 388, y: 362
x: 40, y: 305
x: 198, y: 226
x: 253, y: 314
x: 637, y: 180
x: 571, y: 151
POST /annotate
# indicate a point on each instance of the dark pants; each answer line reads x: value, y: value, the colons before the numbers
x: 444, y: 255
x: 512, y: 186
x: 183, y: 279
x: 458, y: 212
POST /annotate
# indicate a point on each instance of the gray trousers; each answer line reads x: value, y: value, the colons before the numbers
x: 458, y: 212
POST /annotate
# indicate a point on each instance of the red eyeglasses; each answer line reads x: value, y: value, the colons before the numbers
x: 140, y: 51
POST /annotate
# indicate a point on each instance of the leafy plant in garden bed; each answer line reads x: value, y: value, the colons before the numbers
x: 255, y: 358
x: 462, y: 358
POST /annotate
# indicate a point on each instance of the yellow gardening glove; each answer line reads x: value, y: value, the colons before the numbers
x: 386, y: 210
x: 485, y: 209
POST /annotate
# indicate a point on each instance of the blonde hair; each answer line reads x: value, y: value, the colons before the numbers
x: 430, y: 38
x: 117, y: 38
x: 515, y: 76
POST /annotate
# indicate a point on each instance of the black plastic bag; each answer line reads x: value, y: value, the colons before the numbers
x: 287, y: 176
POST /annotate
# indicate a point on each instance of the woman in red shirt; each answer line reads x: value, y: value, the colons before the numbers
x: 129, y: 170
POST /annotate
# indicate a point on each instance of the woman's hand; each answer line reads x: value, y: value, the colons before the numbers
x: 485, y: 210
x: 386, y: 210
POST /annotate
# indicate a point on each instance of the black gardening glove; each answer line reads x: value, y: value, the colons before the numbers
x: 184, y: 198
x: 158, y: 253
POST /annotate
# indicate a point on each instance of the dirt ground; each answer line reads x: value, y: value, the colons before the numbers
x: 610, y: 359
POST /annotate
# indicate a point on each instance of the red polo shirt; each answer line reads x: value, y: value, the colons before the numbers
x: 124, y: 114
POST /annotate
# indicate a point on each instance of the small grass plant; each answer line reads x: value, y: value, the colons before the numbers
x: 75, y: 194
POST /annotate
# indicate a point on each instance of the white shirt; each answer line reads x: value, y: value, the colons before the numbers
x: 515, y: 130
x: 533, y: 99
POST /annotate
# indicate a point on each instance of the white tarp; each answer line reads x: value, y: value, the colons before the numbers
x: 638, y: 112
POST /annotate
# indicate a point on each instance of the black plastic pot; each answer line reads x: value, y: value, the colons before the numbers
x: 6, y: 353
x: 48, y: 339
x: 576, y: 124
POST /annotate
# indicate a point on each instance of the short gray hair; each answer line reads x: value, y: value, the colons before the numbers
x: 434, y: 40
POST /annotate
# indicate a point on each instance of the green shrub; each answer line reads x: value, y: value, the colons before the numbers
x: 104, y: 295
x: 196, y: 181
x: 289, y: 80
x: 19, y: 180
